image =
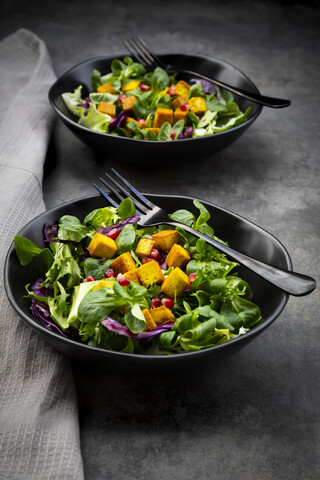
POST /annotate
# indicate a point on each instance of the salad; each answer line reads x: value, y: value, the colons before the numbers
x: 152, y: 290
x: 131, y: 102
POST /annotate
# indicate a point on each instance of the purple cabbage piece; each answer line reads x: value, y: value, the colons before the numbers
x: 40, y: 291
x: 114, y: 326
x: 50, y: 232
x: 118, y: 121
x: 187, y: 133
x: 163, y: 264
x: 127, y: 221
x: 85, y: 105
x: 208, y: 88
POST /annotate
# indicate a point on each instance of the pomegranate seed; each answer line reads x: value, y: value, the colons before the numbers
x: 144, y: 87
x: 172, y: 90
x: 121, y: 96
x: 141, y: 122
x: 192, y: 277
x: 114, y: 233
x: 168, y: 302
x: 89, y: 278
x: 109, y: 273
x: 155, y: 254
x: 173, y: 134
x: 147, y: 259
x: 156, y: 302
x: 185, y: 107
x: 122, y: 280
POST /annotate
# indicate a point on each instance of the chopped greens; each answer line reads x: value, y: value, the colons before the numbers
x: 112, y: 285
x: 131, y: 102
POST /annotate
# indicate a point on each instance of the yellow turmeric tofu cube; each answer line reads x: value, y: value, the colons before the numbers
x: 180, y: 115
x: 102, y: 246
x: 144, y: 247
x: 175, y: 283
x: 124, y: 263
x: 132, y: 85
x: 162, y: 315
x: 162, y: 116
x: 165, y: 239
x: 132, y: 275
x: 197, y: 105
x: 150, y: 324
x: 182, y: 88
x: 178, y: 256
x: 103, y: 284
x: 153, y: 129
x: 128, y: 102
x: 106, y: 88
x: 177, y: 102
x: 150, y: 273
x: 107, y: 108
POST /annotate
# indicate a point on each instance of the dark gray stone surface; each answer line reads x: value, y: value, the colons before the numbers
x: 255, y: 415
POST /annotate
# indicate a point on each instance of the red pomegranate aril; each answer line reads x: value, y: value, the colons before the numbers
x: 122, y: 280
x: 185, y: 107
x: 121, y: 96
x: 147, y: 259
x: 109, y: 273
x: 155, y: 254
x: 173, y: 134
x: 172, y: 90
x: 144, y: 87
x: 89, y: 278
x: 168, y: 302
x: 114, y: 233
x: 192, y: 277
x: 141, y: 122
x: 156, y: 302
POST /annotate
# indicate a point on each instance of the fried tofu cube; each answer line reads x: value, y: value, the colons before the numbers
x: 182, y: 88
x: 178, y: 256
x: 128, y: 102
x: 180, y: 115
x: 132, y: 85
x: 106, y: 88
x: 165, y: 239
x: 103, y: 284
x: 197, y: 105
x: 107, y: 108
x: 102, y: 246
x: 124, y: 263
x: 144, y: 247
x: 162, y: 315
x: 162, y: 116
x: 153, y: 129
x: 150, y: 324
x: 132, y: 275
x: 177, y: 102
x: 150, y: 273
x: 175, y: 283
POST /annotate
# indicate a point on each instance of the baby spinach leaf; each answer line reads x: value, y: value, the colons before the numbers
x: 165, y: 132
x: 134, y: 319
x: 183, y: 216
x: 96, y: 268
x: 25, y: 249
x: 126, y: 209
x: 126, y: 239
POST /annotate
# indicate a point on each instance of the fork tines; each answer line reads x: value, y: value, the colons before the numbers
x: 141, y: 52
x: 121, y: 191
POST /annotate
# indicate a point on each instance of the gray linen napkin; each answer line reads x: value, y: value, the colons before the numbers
x: 39, y: 430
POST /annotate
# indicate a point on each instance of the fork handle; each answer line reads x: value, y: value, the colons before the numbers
x: 293, y: 283
x: 254, y: 97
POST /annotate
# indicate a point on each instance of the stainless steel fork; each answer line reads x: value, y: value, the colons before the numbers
x: 151, y: 215
x: 144, y: 55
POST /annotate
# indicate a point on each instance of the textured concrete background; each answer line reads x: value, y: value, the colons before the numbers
x: 255, y: 415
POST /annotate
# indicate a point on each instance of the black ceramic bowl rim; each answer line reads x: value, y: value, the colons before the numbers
x: 71, y: 122
x: 99, y: 352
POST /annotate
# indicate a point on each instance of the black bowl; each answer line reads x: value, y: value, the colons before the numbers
x: 133, y: 150
x: 239, y: 232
